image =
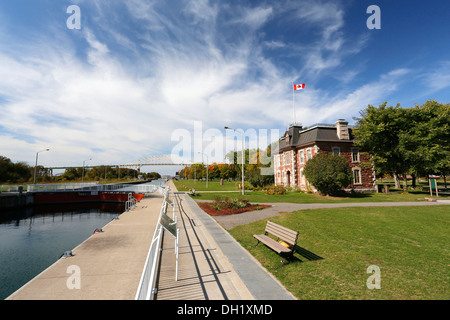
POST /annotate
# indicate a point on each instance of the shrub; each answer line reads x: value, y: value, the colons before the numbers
x: 328, y: 173
x: 235, y: 203
x: 275, y: 190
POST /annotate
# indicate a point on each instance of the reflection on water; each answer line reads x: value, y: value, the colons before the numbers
x: 33, y: 238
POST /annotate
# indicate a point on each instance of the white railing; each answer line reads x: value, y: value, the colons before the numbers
x: 146, y: 289
x: 92, y: 187
x: 60, y: 187
x: 8, y: 188
x: 130, y: 203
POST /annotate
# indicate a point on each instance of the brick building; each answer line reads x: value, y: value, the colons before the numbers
x: 298, y: 145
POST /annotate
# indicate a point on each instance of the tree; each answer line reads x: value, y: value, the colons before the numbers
x: 13, y: 172
x: 328, y: 173
x: 379, y: 131
x: 427, y: 142
x: 412, y: 141
x: 153, y: 175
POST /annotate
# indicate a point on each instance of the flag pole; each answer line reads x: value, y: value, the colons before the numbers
x: 293, y: 102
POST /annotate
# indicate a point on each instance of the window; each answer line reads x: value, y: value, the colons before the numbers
x: 355, y: 155
x: 308, y: 154
x: 302, y: 177
x: 357, y: 176
x: 287, y: 158
x: 302, y: 156
x: 336, y: 150
x: 279, y: 177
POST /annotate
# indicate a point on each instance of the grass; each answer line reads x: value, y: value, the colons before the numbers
x: 299, y: 197
x: 215, y: 189
x: 199, y: 185
x: 410, y: 245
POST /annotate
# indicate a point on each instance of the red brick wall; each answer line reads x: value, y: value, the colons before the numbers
x: 364, y: 164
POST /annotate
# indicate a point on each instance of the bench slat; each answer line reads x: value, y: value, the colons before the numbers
x: 281, y: 232
x: 281, y: 228
x: 272, y: 243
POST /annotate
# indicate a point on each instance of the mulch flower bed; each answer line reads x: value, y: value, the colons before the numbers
x: 209, y: 209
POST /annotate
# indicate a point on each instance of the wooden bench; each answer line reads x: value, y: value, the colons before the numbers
x: 288, y: 236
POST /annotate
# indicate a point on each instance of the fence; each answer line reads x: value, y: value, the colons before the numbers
x: 144, y: 188
x: 9, y: 188
x: 146, y: 289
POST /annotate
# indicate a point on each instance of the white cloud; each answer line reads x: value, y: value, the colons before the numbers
x: 255, y: 17
x: 438, y: 78
x: 114, y: 108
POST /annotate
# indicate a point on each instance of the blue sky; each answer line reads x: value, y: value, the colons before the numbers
x: 137, y: 71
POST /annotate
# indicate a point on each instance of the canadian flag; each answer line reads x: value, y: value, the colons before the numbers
x: 299, y: 87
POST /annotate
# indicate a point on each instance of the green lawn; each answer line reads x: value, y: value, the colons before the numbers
x: 410, y: 245
x: 300, y: 197
x: 186, y: 185
x: 296, y: 197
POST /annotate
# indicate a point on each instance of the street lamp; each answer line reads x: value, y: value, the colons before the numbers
x: 82, y: 176
x: 206, y: 168
x: 243, y: 161
x: 35, y: 166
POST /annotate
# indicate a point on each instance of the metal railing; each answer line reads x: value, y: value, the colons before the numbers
x: 61, y: 187
x: 9, y: 188
x: 92, y: 187
x: 130, y: 203
x: 146, y: 289
x: 87, y: 186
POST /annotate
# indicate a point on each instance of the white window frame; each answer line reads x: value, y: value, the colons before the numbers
x: 357, y: 155
x: 287, y: 158
x: 336, y: 148
x: 302, y: 178
x: 308, y: 154
x: 358, y: 169
x: 302, y: 156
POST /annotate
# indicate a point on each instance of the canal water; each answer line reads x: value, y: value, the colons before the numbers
x: 32, y: 239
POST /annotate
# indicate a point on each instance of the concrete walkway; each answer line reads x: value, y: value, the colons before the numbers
x: 212, y: 265
x: 110, y: 263
x: 231, y: 221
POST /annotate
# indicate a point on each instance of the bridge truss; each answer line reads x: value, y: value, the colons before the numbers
x: 160, y: 160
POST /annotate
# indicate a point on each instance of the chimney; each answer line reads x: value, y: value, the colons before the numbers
x: 294, y: 131
x: 342, y: 129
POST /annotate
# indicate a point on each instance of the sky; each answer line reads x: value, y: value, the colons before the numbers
x: 144, y: 78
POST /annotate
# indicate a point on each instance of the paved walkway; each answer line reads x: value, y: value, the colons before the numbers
x: 231, y: 221
x: 110, y: 263
x: 212, y: 265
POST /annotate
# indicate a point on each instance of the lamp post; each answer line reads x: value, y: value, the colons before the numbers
x: 206, y: 168
x: 82, y: 176
x: 243, y: 161
x: 35, y: 166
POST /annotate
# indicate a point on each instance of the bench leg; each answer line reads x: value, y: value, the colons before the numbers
x: 290, y: 255
x: 257, y: 243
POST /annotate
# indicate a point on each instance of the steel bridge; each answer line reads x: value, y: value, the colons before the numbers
x: 160, y: 160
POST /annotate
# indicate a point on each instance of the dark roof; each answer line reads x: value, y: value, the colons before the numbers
x: 317, y: 133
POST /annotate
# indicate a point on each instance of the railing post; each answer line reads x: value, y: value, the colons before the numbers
x: 177, y: 248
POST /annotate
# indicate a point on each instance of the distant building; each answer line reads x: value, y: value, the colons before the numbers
x: 299, y: 145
